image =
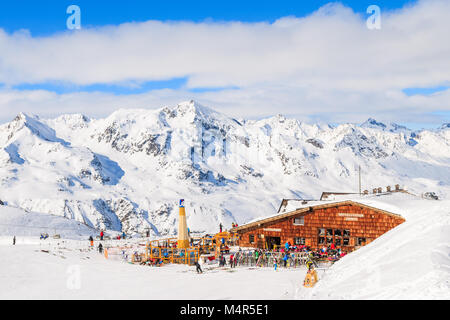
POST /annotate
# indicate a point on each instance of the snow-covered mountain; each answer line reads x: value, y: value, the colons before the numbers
x: 127, y: 171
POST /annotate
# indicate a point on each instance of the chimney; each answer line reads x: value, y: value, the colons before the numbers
x: 380, y: 190
x: 388, y: 189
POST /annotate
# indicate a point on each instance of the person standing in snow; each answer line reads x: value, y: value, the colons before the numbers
x: 91, y: 241
x: 231, y: 260
x: 123, y: 235
x: 220, y: 227
x: 224, y: 261
x: 285, y: 259
x: 198, y: 267
x: 101, y: 235
x: 14, y: 241
x: 100, y: 248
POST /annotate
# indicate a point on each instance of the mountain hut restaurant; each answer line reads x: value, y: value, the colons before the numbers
x: 347, y: 224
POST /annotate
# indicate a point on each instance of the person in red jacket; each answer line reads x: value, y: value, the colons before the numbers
x: 101, y: 235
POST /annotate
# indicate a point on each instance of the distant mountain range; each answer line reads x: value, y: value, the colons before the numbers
x: 127, y: 171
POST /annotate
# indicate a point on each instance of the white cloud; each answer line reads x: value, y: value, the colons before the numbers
x: 326, y: 64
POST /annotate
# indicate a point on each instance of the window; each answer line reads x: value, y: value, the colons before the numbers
x: 321, y: 240
x: 300, y: 221
x: 337, y: 233
x: 346, y: 233
x: 329, y: 232
x: 321, y: 232
x: 251, y: 238
x: 299, y: 241
x: 329, y: 240
x: 361, y: 241
x: 346, y: 241
x: 337, y: 241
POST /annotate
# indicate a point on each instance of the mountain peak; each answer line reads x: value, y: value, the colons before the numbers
x: 445, y: 126
x: 194, y: 107
x: 392, y: 127
x: 372, y: 123
x: 34, y: 125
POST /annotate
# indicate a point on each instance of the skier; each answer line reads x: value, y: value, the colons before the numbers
x: 14, y: 241
x: 91, y: 241
x: 100, y: 248
x: 220, y: 227
x: 231, y: 260
x: 198, y: 267
x: 123, y: 235
x: 275, y: 264
x: 101, y: 235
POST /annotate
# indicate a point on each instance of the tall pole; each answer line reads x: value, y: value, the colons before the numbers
x: 183, y: 237
x: 359, y: 169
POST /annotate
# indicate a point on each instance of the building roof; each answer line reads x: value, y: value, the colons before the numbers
x: 307, y: 207
x: 326, y: 195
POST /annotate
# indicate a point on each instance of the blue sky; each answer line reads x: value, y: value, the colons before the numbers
x: 45, y: 17
x: 310, y: 80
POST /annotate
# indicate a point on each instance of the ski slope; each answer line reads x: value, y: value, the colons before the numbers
x: 28, y: 226
x: 411, y: 261
x: 28, y: 273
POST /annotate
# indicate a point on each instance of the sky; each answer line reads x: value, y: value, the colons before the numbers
x: 317, y: 61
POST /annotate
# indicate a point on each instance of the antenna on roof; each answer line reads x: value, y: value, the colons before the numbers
x: 359, y: 179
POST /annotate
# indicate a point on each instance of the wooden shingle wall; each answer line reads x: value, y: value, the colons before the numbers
x: 360, y: 221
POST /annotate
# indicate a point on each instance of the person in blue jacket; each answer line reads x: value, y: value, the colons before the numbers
x: 287, y: 246
x: 285, y: 259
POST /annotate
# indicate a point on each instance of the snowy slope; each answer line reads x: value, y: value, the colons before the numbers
x: 74, y: 272
x: 25, y: 225
x: 127, y: 171
x: 411, y: 261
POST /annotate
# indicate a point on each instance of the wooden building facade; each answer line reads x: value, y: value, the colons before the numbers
x: 347, y: 224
